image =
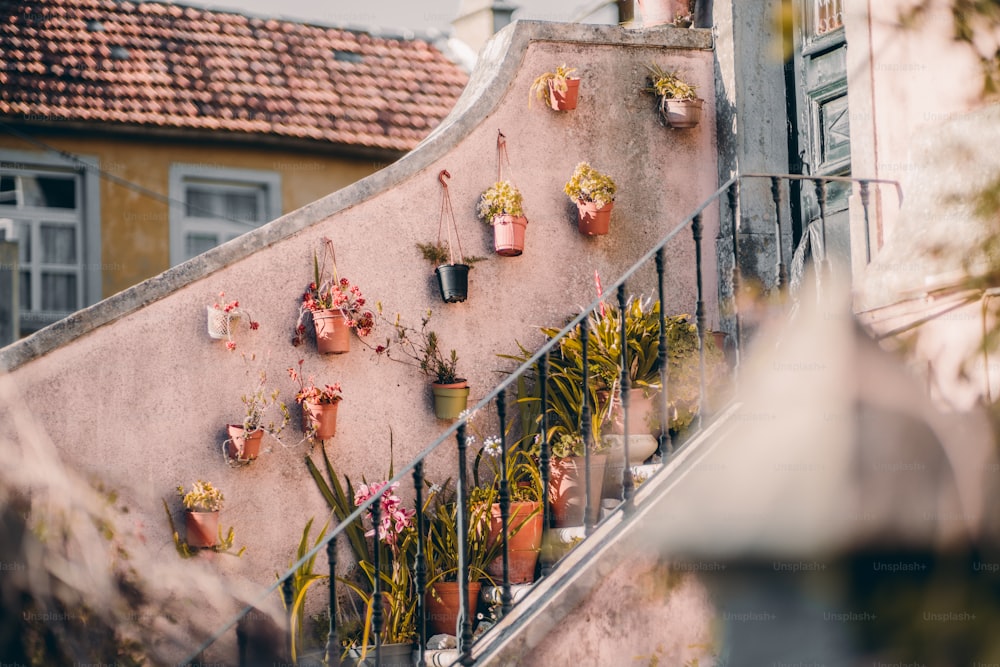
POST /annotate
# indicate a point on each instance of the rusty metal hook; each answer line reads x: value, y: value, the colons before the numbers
x: 443, y: 174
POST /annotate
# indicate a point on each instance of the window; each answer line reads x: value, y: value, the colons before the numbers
x: 43, y: 209
x: 213, y: 205
x: 825, y: 16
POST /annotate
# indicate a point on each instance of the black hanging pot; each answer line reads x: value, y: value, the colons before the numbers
x: 453, y: 279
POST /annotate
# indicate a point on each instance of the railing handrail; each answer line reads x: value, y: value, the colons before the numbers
x: 525, y: 367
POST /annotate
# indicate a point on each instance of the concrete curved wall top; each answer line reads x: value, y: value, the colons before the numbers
x: 133, y: 390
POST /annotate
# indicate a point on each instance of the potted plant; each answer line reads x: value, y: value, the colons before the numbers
x: 222, y: 318
x: 319, y: 405
x: 442, y: 547
x: 679, y: 104
x: 524, y: 523
x: 335, y: 304
x: 421, y: 349
x: 397, y: 542
x: 244, y: 441
x: 594, y: 195
x: 557, y: 89
x: 201, y: 513
x: 452, y: 276
x: 502, y: 207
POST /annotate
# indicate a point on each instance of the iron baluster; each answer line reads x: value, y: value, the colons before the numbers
x: 378, y: 619
x: 465, y: 635
x: 544, y: 454
x: 421, y: 564
x: 776, y: 196
x: 331, y: 638
x: 863, y: 191
x: 628, y: 485
x: 699, y: 315
x: 506, y: 600
x: 289, y: 595
x: 666, y: 444
x: 586, y: 424
x: 820, y: 186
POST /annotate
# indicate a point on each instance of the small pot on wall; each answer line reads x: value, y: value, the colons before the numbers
x: 682, y: 114
x: 453, y: 281
x: 508, y: 234
x: 450, y: 399
x: 243, y: 446
x: 564, y: 100
x: 202, y: 528
x: 333, y: 332
x: 322, y: 417
x: 593, y: 221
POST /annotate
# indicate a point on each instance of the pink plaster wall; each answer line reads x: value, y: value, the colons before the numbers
x: 142, y: 402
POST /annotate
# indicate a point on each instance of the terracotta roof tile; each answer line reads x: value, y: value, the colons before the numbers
x: 190, y: 68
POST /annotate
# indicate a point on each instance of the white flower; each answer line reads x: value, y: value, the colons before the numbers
x: 470, y: 440
x: 435, y: 488
x: 492, y: 446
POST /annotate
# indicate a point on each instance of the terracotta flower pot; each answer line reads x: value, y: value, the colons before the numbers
x: 241, y: 445
x: 524, y: 544
x: 333, y: 333
x: 202, y: 528
x: 564, y: 101
x: 453, y: 281
x: 322, y: 417
x: 442, y: 615
x: 508, y: 234
x: 568, y: 486
x: 656, y: 12
x: 593, y: 221
x: 682, y: 114
x: 450, y: 399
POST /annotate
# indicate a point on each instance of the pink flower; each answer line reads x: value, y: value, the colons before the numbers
x: 230, y: 345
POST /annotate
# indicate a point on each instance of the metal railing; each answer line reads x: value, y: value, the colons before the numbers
x: 537, y: 368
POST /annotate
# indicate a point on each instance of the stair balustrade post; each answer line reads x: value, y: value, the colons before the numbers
x: 505, y: 596
x: 776, y: 197
x: 628, y: 484
x: 288, y: 594
x: 863, y: 186
x: 696, y: 231
x: 666, y: 444
x: 544, y: 457
x: 331, y: 637
x: 378, y: 619
x: 420, y: 569
x: 736, y: 277
x: 465, y: 632
x: 586, y: 425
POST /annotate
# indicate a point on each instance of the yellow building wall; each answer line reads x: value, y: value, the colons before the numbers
x: 135, y: 222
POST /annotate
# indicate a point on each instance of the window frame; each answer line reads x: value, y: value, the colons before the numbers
x: 88, y: 228
x: 181, y: 174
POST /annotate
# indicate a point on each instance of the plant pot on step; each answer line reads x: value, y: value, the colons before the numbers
x: 594, y: 221
x: 682, y: 114
x: 453, y: 280
x: 202, y: 528
x: 392, y: 655
x: 523, y: 544
x: 333, y: 332
x: 568, y: 487
x: 243, y: 446
x: 322, y: 417
x: 640, y: 447
x: 450, y: 399
x: 656, y: 12
x: 443, y: 605
x: 564, y: 100
x: 508, y: 234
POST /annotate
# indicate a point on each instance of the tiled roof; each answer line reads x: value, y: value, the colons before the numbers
x: 195, y: 69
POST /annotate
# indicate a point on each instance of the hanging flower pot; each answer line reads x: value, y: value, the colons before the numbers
x: 320, y: 418
x: 202, y: 528
x: 594, y: 195
x: 682, y: 114
x: 243, y: 446
x: 564, y: 100
x: 450, y: 399
x: 221, y: 322
x: 333, y: 332
x: 443, y: 603
x: 523, y: 544
x: 508, y: 234
x: 453, y: 281
x: 594, y: 221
